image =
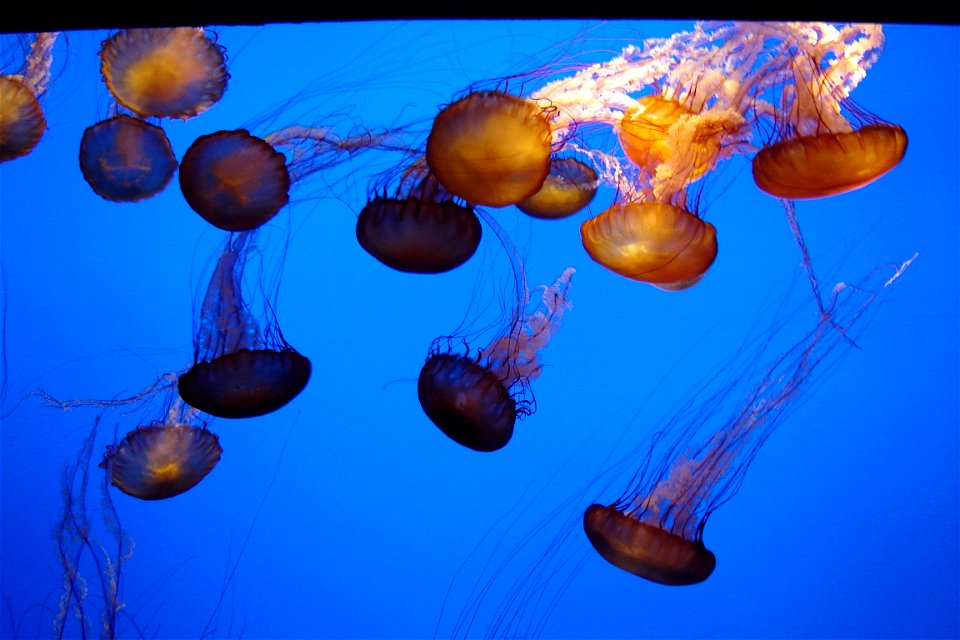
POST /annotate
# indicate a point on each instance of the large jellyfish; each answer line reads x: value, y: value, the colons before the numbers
x: 22, y: 122
x: 473, y: 398
x: 241, y: 368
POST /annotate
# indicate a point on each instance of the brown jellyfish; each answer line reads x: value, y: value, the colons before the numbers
x: 159, y: 462
x: 473, y: 398
x: 125, y: 159
x: 570, y: 187
x: 655, y: 242
x: 421, y: 229
x: 22, y: 122
x: 823, y: 144
x: 165, y: 73
x: 234, y: 180
x: 241, y: 369
x: 490, y: 148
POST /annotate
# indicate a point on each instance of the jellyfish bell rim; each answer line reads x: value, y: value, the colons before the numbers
x: 230, y: 386
x: 443, y: 386
x: 819, y: 166
x: 646, y: 551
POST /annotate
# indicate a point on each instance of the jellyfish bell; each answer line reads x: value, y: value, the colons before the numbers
x: 243, y: 367
x: 234, y: 180
x: 246, y: 383
x: 570, y: 187
x: 473, y: 399
x: 164, y: 72
x: 823, y: 144
x: 829, y: 164
x: 654, y: 242
x: 491, y: 148
x: 646, y: 551
x: 22, y: 122
x: 125, y: 159
x: 421, y: 229
x: 159, y: 462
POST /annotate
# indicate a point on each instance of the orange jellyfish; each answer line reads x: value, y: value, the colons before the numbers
x: 165, y: 459
x: 421, y: 229
x: 570, y: 187
x: 22, y: 122
x: 491, y: 148
x: 125, y: 159
x: 241, y: 369
x: 655, y: 528
x: 823, y: 144
x: 165, y: 73
x: 473, y: 399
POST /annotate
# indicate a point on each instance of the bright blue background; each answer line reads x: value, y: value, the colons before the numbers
x: 846, y: 526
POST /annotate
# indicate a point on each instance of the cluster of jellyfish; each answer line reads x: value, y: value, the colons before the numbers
x: 654, y: 123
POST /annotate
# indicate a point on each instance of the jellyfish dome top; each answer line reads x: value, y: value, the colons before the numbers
x: 125, y: 159
x: 491, y: 148
x: 175, y: 72
x: 421, y: 228
x: 241, y: 369
x: 22, y: 122
x: 473, y: 399
x: 824, y: 144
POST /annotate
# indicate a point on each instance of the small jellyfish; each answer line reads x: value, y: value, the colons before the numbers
x: 125, y: 159
x: 420, y: 229
x: 237, y: 181
x: 22, y: 122
x: 490, y: 148
x: 824, y: 145
x: 241, y: 369
x: 655, y: 242
x: 162, y: 461
x: 473, y: 399
x: 570, y: 187
x: 164, y: 73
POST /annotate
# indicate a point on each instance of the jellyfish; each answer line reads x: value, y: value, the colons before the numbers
x: 241, y: 369
x: 164, y: 459
x: 655, y: 528
x: 490, y: 148
x: 823, y: 144
x: 421, y: 228
x: 570, y: 187
x: 165, y: 73
x: 473, y: 399
x: 125, y: 159
x: 237, y: 181
x: 22, y: 122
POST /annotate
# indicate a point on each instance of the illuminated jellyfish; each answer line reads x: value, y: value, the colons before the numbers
x: 421, y: 228
x: 22, y: 122
x: 125, y: 159
x: 491, y: 148
x: 823, y: 144
x: 241, y: 369
x: 237, y: 181
x: 163, y: 460
x: 570, y: 187
x: 166, y: 72
x: 473, y: 399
